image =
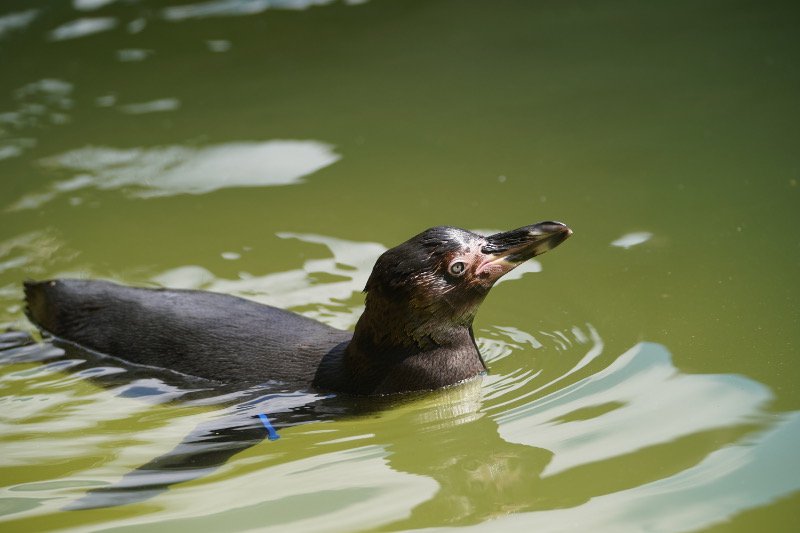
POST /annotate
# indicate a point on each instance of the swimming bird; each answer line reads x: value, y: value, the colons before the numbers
x: 267, y: 368
x: 414, y: 334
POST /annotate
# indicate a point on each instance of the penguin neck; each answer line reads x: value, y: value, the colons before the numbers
x: 399, y: 349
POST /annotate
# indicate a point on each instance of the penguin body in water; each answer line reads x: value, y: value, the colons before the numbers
x: 415, y: 334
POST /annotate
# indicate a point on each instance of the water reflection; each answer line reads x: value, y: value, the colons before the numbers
x: 562, y: 432
x: 754, y: 472
x: 218, y: 45
x: 346, y: 274
x: 153, y: 106
x: 652, y: 403
x: 107, y: 100
x: 632, y: 239
x: 137, y: 25
x: 39, y: 97
x: 217, y: 8
x: 34, y: 250
x: 233, y: 8
x: 170, y: 170
x: 39, y: 104
x: 570, y: 456
x: 15, y: 147
x: 16, y: 21
x: 469, y: 459
x: 90, y: 5
x: 82, y: 27
x: 133, y: 54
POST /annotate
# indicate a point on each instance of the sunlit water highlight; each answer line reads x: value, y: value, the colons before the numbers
x: 180, y: 170
x: 578, y: 409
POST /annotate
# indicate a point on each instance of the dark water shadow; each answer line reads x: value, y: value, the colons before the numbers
x: 242, y: 418
x: 545, y: 444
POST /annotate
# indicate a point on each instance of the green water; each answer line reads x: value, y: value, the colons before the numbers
x: 260, y: 149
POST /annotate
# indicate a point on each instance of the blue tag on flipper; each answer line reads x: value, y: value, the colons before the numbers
x: 271, y: 433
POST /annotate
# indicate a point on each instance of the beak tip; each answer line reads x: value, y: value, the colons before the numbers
x: 550, y: 227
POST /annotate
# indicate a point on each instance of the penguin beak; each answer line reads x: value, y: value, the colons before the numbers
x: 507, y: 250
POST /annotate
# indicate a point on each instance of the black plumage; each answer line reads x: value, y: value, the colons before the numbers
x: 415, y: 332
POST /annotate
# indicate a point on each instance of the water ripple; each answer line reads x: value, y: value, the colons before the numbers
x: 181, y: 169
x: 552, y: 440
x: 235, y: 8
x: 16, y: 21
x: 82, y: 27
x: 655, y: 404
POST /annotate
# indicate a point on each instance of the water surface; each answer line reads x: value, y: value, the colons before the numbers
x: 643, y: 376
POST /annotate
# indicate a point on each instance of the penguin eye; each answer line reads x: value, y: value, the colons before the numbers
x: 457, y: 268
